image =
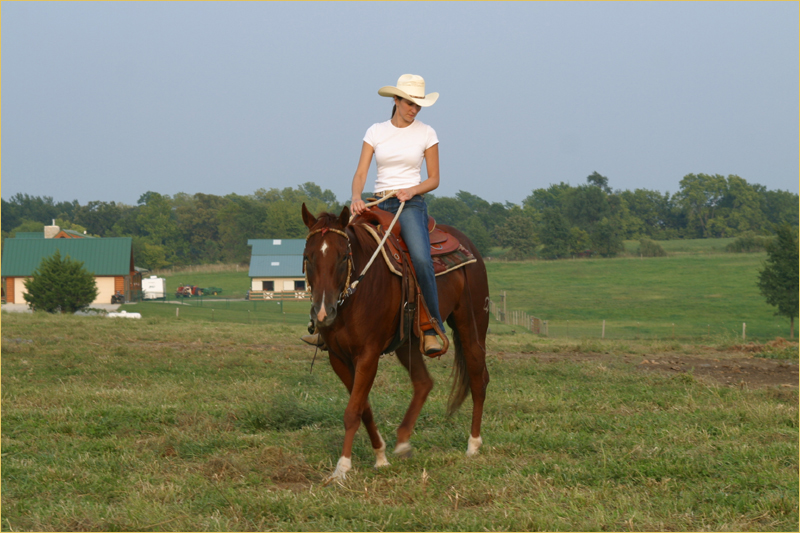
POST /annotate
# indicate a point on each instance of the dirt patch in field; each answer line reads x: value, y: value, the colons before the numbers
x: 736, y: 366
x: 727, y: 369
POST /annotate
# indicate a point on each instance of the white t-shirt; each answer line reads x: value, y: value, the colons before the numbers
x: 399, y: 153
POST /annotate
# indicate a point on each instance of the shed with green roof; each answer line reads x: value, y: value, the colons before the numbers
x: 110, y: 260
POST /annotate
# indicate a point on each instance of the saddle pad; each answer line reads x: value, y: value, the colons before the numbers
x: 443, y: 263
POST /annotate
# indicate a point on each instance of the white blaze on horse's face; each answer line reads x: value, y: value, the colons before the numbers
x: 324, y: 248
x: 322, y: 313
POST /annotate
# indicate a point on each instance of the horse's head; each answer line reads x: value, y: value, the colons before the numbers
x: 328, y: 262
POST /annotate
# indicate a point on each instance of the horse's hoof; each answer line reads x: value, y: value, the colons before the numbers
x: 404, y: 450
x: 339, y: 475
x: 473, y: 446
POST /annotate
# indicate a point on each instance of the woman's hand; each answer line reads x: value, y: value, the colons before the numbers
x: 357, y: 206
x: 405, y: 195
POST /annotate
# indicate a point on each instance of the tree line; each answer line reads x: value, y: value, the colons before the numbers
x: 558, y: 221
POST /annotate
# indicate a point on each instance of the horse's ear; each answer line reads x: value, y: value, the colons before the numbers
x: 344, y: 216
x: 308, y: 219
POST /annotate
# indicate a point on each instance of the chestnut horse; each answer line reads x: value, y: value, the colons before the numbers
x: 358, y: 327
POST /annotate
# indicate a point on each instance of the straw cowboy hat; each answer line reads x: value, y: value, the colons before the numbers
x: 412, y: 88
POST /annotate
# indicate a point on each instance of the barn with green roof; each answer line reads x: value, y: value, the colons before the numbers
x: 109, y: 259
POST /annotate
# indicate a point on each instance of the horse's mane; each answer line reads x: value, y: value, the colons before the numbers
x: 328, y: 219
x: 362, y: 237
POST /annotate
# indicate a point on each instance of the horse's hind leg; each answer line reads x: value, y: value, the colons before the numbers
x: 422, y: 382
x: 470, y: 349
x: 378, y: 444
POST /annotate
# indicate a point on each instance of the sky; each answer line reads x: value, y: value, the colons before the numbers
x: 108, y: 100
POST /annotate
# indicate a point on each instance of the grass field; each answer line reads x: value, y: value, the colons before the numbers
x: 703, y: 295
x: 698, y: 292
x: 190, y: 425
x: 685, y: 246
x: 232, y: 279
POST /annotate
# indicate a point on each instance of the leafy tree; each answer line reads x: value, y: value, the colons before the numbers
x: 744, y: 206
x: 450, y: 211
x: 40, y: 209
x: 555, y: 234
x: 518, y: 234
x: 98, y: 217
x: 477, y: 233
x: 700, y: 197
x: 552, y: 197
x: 27, y: 226
x: 66, y: 224
x: 597, y: 180
x: 198, y: 223
x: 605, y: 238
x: 60, y: 285
x: 650, y: 213
x: 781, y: 207
x: 579, y: 241
x: 585, y: 206
x: 778, y: 281
x: 158, y: 224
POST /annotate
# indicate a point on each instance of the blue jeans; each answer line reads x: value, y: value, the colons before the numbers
x: 414, y: 230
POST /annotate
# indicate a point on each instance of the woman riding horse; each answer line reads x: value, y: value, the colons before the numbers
x: 359, y: 326
x: 400, y: 145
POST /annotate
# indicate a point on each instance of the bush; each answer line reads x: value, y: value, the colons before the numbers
x: 748, y: 242
x: 60, y: 286
x: 650, y: 248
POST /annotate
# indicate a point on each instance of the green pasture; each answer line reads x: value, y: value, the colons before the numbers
x: 290, y: 312
x: 698, y: 292
x: 685, y: 246
x: 696, y: 296
x: 189, y: 425
x: 234, y: 283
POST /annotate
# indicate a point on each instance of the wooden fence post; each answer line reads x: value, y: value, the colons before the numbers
x: 177, y: 312
x: 603, y: 336
x: 744, y: 327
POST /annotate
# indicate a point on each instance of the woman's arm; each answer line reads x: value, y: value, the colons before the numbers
x: 357, y: 205
x: 432, y: 164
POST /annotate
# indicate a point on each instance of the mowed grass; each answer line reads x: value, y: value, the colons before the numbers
x: 192, y: 425
x: 696, y: 296
x: 290, y: 312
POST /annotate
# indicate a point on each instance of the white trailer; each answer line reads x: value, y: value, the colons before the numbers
x: 154, y: 288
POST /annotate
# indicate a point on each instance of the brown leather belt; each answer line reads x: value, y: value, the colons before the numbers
x: 386, y: 193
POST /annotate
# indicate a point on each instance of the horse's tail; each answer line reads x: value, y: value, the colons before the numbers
x: 460, y: 388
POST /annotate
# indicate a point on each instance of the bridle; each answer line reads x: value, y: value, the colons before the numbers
x: 350, y: 288
x: 347, y: 291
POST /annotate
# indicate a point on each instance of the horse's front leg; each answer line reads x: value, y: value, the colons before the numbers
x: 378, y: 444
x: 423, y: 384
x: 365, y: 369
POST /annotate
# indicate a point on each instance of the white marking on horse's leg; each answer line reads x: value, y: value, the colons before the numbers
x: 322, y: 313
x: 324, y: 248
x: 342, y: 468
x: 380, y: 455
x: 404, y: 448
x: 473, y: 445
